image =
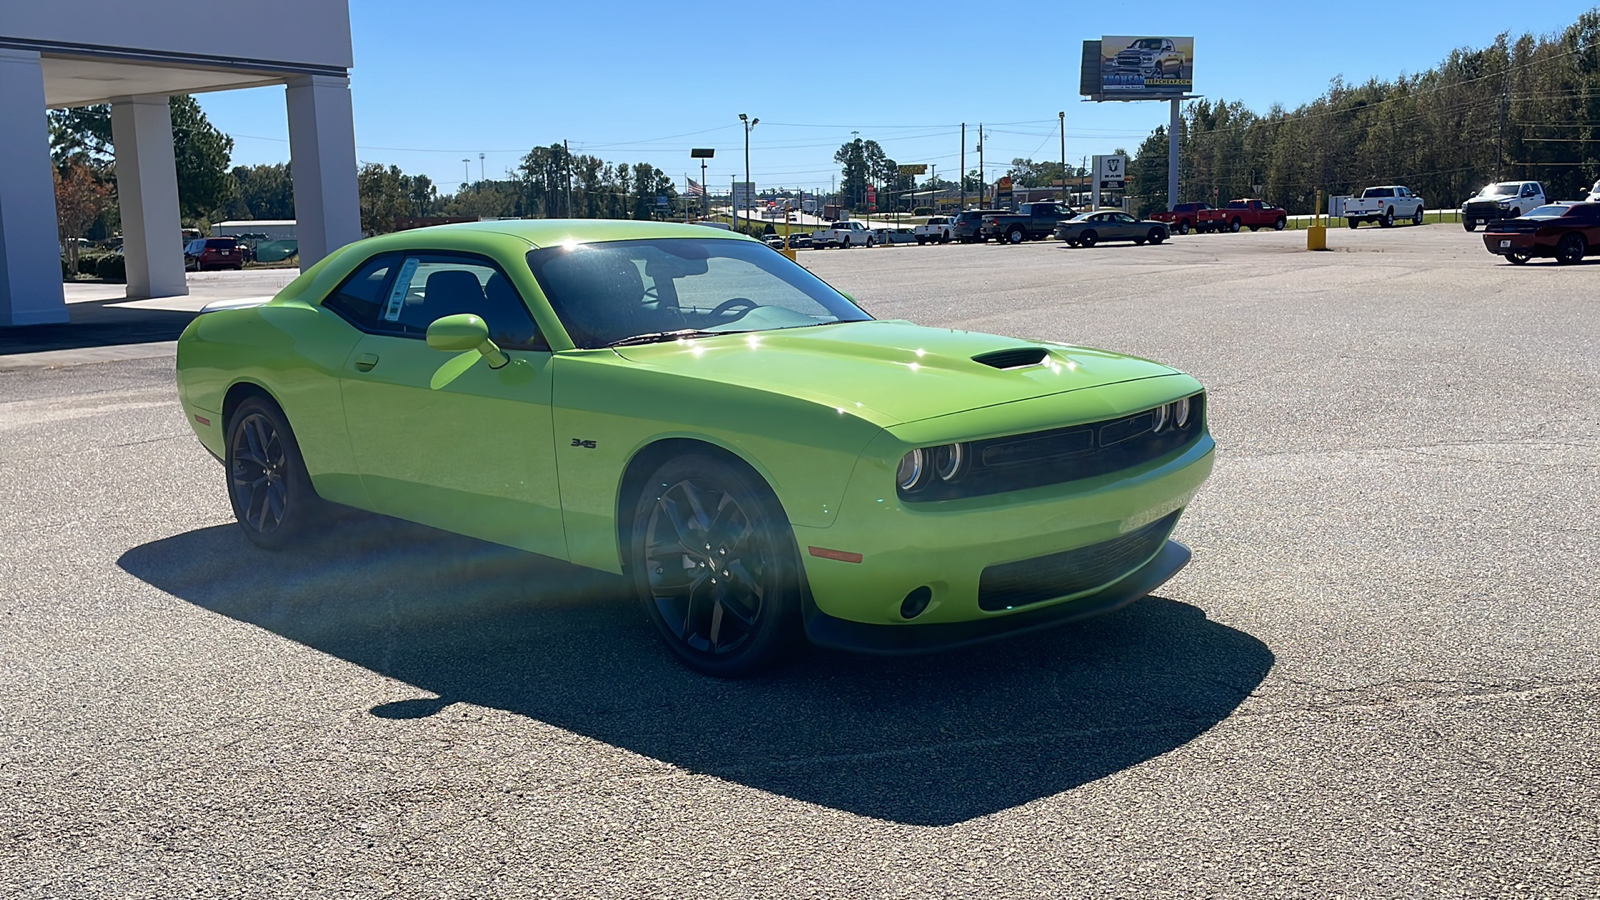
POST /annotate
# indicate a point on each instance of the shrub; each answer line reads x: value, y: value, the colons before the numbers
x: 66, y: 273
x: 928, y: 210
x: 112, y: 268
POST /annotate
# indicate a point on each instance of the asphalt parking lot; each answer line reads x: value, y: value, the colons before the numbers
x: 1376, y: 678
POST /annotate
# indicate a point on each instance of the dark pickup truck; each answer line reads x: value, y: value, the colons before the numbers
x: 1033, y: 221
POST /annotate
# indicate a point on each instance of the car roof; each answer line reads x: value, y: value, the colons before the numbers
x: 551, y: 232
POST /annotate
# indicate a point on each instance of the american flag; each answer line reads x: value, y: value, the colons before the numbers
x: 696, y: 189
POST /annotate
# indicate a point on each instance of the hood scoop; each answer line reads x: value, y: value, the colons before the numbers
x: 1013, y: 357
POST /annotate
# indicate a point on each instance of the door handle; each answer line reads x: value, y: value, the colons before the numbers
x: 365, y: 361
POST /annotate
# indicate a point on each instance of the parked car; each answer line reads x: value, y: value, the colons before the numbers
x: 213, y: 253
x: 761, y: 468
x: 1032, y: 221
x: 800, y: 240
x: 1110, y: 225
x: 967, y: 227
x: 1503, y: 200
x: 844, y: 234
x: 1182, y: 218
x: 937, y: 229
x: 1566, y: 232
x: 1383, y: 205
x: 1252, y: 214
x: 775, y: 241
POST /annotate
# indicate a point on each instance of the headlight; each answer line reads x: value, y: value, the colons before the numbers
x: 1180, y: 412
x: 1161, y: 413
x: 909, y: 474
x: 948, y: 461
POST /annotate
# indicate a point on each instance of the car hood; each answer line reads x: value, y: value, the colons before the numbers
x: 893, y: 372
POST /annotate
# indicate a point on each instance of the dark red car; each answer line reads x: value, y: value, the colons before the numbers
x: 1566, y: 231
x: 201, y: 254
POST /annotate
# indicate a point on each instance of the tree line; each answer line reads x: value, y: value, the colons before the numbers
x: 1523, y: 109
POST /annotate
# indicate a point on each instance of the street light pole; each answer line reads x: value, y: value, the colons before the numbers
x: 749, y: 123
x: 1063, y: 117
x: 466, y: 172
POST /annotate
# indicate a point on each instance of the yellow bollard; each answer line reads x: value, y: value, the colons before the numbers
x: 1317, y: 234
x: 787, y: 250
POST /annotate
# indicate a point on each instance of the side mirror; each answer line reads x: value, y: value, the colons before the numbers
x: 463, y: 332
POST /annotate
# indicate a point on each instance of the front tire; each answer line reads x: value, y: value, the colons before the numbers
x: 714, y: 562
x: 1280, y: 223
x: 1234, y: 225
x: 268, y: 485
x: 1416, y: 217
x: 1469, y: 225
x: 1157, y: 235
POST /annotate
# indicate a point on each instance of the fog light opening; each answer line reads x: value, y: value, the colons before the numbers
x: 916, y: 602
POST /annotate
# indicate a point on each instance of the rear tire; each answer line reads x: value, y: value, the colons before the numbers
x: 1388, y: 218
x: 1088, y: 239
x: 1280, y: 224
x: 714, y: 562
x: 268, y: 485
x: 1016, y: 235
x: 1571, y: 249
x: 1183, y: 226
x: 1234, y: 224
x: 1353, y: 223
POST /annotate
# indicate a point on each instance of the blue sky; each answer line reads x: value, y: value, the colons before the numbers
x: 435, y: 83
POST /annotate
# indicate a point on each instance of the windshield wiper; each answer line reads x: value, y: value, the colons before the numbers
x: 656, y: 337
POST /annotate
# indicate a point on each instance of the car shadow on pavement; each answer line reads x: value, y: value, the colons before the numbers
x: 929, y: 740
x: 98, y: 323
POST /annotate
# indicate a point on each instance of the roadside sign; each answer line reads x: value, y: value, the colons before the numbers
x: 914, y: 169
x: 1110, y: 172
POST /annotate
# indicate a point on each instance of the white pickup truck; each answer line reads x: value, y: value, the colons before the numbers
x: 938, y: 230
x: 1383, y: 205
x: 844, y: 234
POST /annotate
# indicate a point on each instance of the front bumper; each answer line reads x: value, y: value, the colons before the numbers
x: 894, y: 640
x: 879, y: 549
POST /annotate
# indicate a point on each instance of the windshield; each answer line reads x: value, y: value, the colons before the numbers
x: 1509, y: 189
x: 670, y: 287
x: 1150, y: 44
x: 1547, y: 212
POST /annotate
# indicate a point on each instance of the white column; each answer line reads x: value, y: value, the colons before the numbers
x: 322, y: 151
x: 147, y: 192
x: 30, y: 251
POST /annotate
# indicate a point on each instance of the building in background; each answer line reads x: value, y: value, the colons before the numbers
x: 135, y: 56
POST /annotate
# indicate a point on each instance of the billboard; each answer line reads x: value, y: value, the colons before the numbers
x: 744, y: 193
x: 1145, y: 68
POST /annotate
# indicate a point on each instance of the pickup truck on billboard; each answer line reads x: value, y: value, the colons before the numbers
x: 1383, y: 205
x: 1252, y: 214
x: 1151, y: 66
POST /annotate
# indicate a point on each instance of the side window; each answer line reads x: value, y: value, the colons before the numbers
x: 430, y: 286
x: 358, y: 298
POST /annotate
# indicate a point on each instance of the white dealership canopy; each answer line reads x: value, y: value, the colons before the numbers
x: 134, y: 56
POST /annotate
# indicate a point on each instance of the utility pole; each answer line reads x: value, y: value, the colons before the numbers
x: 466, y: 172
x: 567, y: 151
x: 481, y: 177
x: 748, y: 124
x: 963, y: 174
x: 981, y: 173
x: 1063, y: 117
x: 1172, y: 155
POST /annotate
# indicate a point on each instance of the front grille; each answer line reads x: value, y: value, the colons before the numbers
x: 1019, y: 461
x: 1011, y: 585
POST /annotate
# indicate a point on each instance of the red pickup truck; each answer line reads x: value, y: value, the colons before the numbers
x: 1252, y: 214
x: 1184, y: 217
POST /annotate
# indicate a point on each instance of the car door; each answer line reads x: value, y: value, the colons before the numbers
x: 441, y: 438
x: 1124, y: 227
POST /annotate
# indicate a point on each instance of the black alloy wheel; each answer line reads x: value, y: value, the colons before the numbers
x: 1571, y: 249
x: 1157, y: 235
x: 1088, y: 238
x: 271, y: 492
x: 714, y: 562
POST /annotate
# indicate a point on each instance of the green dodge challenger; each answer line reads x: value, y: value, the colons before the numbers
x: 759, y: 456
